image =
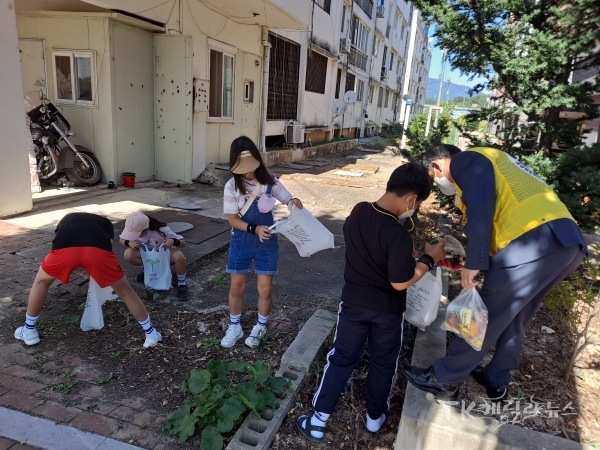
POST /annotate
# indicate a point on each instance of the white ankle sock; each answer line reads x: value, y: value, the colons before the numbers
x: 318, y: 419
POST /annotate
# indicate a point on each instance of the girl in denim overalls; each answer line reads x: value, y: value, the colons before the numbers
x: 248, y: 201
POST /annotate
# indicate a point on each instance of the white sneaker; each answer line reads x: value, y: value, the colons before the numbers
x: 258, y: 332
x: 152, y: 339
x: 373, y: 426
x: 30, y: 337
x: 233, y: 333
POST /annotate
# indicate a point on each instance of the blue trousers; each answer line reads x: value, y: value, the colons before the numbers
x: 512, y: 296
x: 355, y: 326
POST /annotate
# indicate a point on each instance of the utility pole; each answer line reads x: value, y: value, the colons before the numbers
x: 439, y: 98
x: 447, y: 90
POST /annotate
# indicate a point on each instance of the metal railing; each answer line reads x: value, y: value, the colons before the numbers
x: 387, y: 30
x: 358, y: 58
x: 366, y: 6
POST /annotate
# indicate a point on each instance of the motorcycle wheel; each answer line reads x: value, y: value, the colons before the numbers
x: 82, y: 176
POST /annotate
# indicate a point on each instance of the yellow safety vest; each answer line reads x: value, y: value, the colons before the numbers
x: 523, y: 201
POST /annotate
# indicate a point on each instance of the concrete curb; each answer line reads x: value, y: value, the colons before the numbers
x: 288, y: 156
x: 258, y: 434
x: 46, y: 434
x: 428, y: 425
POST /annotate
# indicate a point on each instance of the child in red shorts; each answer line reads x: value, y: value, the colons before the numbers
x: 83, y: 240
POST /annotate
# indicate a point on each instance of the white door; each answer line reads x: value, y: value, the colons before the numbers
x: 173, y: 90
x: 33, y: 65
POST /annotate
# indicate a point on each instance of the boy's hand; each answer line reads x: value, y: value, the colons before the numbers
x: 467, y: 277
x: 436, y: 251
x: 168, y: 243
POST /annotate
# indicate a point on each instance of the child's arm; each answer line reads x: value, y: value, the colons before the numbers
x: 172, y: 239
x: 130, y: 244
x: 262, y: 231
x: 435, y: 252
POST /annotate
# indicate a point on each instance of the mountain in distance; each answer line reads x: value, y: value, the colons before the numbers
x: 455, y: 90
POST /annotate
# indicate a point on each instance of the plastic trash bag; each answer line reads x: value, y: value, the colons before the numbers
x: 467, y: 317
x: 423, y: 299
x: 304, y: 231
x: 157, y: 267
x: 93, y: 318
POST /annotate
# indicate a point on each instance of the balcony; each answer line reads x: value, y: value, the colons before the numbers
x: 366, y: 6
x: 358, y: 58
x: 380, y: 12
x: 387, y: 31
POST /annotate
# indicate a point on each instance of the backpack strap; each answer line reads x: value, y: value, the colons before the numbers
x: 251, y: 197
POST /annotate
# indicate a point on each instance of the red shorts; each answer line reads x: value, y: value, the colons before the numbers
x: 102, y: 265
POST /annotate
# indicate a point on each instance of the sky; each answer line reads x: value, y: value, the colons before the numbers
x: 454, y: 75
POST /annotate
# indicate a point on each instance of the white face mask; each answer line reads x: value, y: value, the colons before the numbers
x: 409, y: 212
x: 446, y: 186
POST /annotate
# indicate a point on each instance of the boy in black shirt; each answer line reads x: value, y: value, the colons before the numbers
x: 83, y: 240
x: 380, y: 266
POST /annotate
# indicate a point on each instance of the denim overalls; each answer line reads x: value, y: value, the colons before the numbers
x: 246, y: 247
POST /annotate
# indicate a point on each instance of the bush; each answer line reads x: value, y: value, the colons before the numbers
x: 541, y: 164
x: 220, y: 399
x: 415, y: 133
x: 577, y: 183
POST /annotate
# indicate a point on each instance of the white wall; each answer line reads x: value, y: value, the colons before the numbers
x: 15, y: 184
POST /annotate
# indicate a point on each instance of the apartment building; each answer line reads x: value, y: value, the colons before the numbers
x: 170, y: 83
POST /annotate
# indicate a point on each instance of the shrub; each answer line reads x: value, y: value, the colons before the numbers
x: 220, y: 399
x: 541, y: 164
x: 418, y: 142
x: 577, y: 183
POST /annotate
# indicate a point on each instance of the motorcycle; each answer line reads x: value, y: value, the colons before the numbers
x: 55, y: 154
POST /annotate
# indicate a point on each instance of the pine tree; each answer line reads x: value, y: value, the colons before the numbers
x: 527, y: 50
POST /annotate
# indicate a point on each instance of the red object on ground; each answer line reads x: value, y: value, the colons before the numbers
x: 129, y: 179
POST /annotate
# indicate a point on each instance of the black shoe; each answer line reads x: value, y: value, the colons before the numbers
x: 140, y: 277
x: 495, y: 394
x: 425, y: 380
x: 182, y: 292
x: 174, y: 279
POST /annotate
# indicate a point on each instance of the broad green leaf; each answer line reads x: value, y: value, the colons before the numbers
x: 176, y: 416
x: 199, y: 380
x: 238, y: 365
x: 187, y: 427
x: 217, y: 369
x: 235, y: 401
x: 228, y: 415
x: 260, y: 371
x: 184, y: 386
x: 211, y: 439
x: 259, y: 402
x: 217, y: 392
x: 269, y: 397
x: 279, y: 385
x: 248, y: 394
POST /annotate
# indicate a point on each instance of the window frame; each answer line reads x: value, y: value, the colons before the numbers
x: 73, y: 54
x: 326, y: 6
x: 312, y: 70
x: 232, y: 54
x: 359, y: 34
x: 250, y: 84
x: 359, y: 89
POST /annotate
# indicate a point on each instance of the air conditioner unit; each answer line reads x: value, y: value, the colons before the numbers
x: 344, y: 45
x: 380, y: 12
x: 384, y: 73
x: 294, y: 132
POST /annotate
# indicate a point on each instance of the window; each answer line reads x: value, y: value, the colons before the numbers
x: 284, y: 72
x: 396, y: 17
x: 360, y: 88
x: 316, y: 72
x: 350, y: 82
x: 391, y: 62
x: 398, y: 67
x: 380, y: 98
x: 343, y: 28
x: 387, y: 99
x: 371, y: 89
x: 338, y: 81
x: 324, y: 4
x: 360, y: 34
x: 376, y: 47
x: 75, y: 77
x: 249, y: 91
x: 220, y: 103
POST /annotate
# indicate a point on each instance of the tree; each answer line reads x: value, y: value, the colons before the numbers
x: 527, y: 51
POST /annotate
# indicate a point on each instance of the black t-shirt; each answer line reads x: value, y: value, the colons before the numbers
x: 378, y: 252
x: 83, y: 230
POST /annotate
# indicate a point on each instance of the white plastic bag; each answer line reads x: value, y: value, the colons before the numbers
x: 304, y: 231
x: 92, y: 318
x: 157, y: 267
x: 423, y: 299
x: 467, y: 317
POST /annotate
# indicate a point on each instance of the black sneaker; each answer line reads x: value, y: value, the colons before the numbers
x: 182, y: 292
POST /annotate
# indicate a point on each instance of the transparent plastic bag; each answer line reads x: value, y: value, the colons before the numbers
x: 467, y: 317
x: 423, y: 299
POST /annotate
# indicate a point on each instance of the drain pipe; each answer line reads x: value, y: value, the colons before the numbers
x: 265, y: 88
